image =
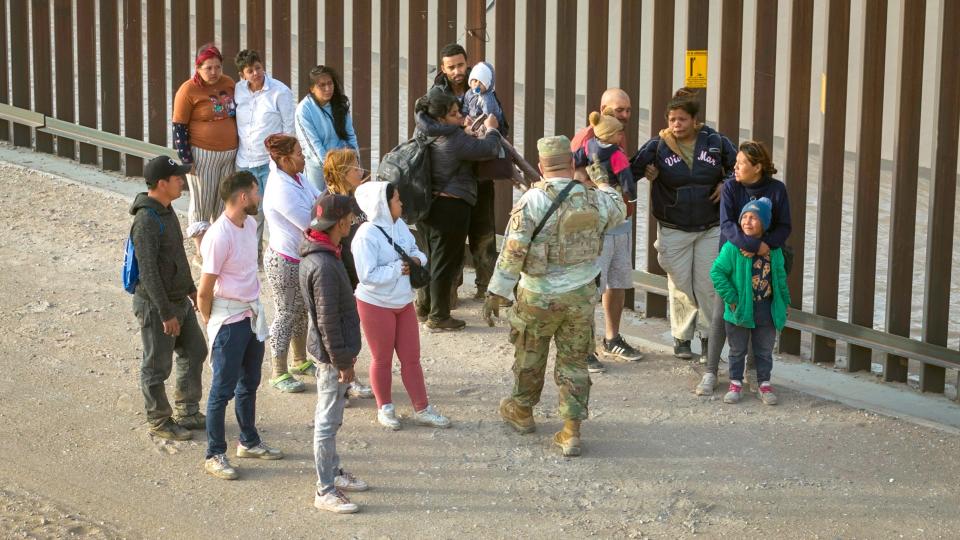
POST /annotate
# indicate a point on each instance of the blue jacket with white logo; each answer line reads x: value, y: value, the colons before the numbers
x: 680, y: 195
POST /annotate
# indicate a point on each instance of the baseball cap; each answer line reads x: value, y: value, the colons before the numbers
x: 162, y: 167
x: 331, y: 208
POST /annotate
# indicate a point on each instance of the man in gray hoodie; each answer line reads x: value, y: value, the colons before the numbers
x: 164, y: 302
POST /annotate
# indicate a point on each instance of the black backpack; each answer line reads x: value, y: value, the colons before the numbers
x: 407, y: 167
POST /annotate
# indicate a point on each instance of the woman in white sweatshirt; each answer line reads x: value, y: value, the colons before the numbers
x: 385, y: 303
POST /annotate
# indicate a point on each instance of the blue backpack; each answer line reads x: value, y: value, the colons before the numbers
x: 130, y: 273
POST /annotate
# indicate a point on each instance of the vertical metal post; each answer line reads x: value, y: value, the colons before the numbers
x: 66, y: 91
x: 866, y: 202
x: 87, y: 64
x: 280, y: 38
x: 19, y: 64
x: 42, y: 76
x: 661, y: 78
x: 505, y: 23
x: 903, y: 200
x: 362, y: 15
x: 533, y: 77
x: 630, y: 43
x: 109, y: 80
x: 4, y: 79
x: 230, y: 34
x: 389, y: 76
x: 731, y: 48
x: 565, y: 99
x: 181, y: 55
x: 306, y: 46
x: 205, y: 24
x: 476, y: 33
x: 597, y: 33
x: 416, y: 58
x: 698, y: 33
x: 936, y: 300
x: 333, y: 35
x: 765, y: 73
x: 446, y: 22
x: 256, y: 21
x: 797, y: 148
x: 830, y: 191
x: 157, y: 84
x: 133, y: 81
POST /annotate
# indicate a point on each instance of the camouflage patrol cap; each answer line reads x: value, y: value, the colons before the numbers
x: 554, y: 153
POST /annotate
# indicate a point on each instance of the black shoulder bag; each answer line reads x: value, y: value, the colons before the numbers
x: 419, y: 276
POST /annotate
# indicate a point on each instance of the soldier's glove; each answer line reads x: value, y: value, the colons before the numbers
x: 597, y: 172
x: 491, y: 307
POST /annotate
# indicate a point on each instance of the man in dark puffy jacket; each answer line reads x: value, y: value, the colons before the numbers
x: 333, y: 340
x: 164, y: 303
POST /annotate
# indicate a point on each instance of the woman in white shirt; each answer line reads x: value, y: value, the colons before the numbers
x: 385, y: 303
x: 287, y: 203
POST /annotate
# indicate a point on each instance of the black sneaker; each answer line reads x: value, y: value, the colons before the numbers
x: 618, y: 348
x: 594, y: 365
x: 681, y: 349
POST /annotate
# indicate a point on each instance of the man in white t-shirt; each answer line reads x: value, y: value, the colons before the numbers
x: 264, y: 106
x: 229, y: 303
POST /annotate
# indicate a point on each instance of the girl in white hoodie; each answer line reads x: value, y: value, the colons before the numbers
x: 385, y: 303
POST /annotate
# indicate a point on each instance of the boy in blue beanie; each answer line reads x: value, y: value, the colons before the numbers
x: 755, y: 296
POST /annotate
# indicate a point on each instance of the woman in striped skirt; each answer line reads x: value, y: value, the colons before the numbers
x: 205, y: 135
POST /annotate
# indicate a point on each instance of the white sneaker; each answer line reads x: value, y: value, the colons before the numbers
x: 219, y: 466
x: 431, y: 417
x: 734, y: 391
x: 358, y: 390
x: 334, y: 501
x: 348, y: 482
x: 707, y: 385
x: 260, y: 451
x: 387, y: 416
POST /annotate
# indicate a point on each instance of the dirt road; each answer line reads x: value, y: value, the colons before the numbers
x: 659, y: 462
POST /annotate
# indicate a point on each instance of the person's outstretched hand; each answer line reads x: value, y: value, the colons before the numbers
x: 491, y: 307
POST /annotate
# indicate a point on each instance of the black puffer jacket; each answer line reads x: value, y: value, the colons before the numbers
x: 334, y: 334
x: 453, y: 154
x: 165, y: 278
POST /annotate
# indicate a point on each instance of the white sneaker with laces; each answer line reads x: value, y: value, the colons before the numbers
x: 260, y: 451
x: 387, y: 416
x: 219, y: 466
x: 431, y: 417
x: 733, y: 393
x: 346, y: 481
x: 707, y: 385
x: 334, y: 501
x: 358, y: 390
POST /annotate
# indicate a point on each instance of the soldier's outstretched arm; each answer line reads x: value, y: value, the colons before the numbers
x: 516, y: 245
x: 611, y: 201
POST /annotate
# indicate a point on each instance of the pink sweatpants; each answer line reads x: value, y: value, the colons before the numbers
x: 389, y: 330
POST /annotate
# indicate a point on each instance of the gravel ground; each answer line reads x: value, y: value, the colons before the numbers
x: 659, y: 462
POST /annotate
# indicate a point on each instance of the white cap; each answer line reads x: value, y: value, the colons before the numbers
x: 482, y: 73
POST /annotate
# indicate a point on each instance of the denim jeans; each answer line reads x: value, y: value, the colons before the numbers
x: 718, y: 336
x: 331, y: 398
x: 762, y: 337
x: 314, y: 174
x: 158, y: 350
x: 236, y: 355
x: 262, y: 172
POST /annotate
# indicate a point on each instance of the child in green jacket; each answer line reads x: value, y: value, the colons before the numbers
x: 755, y: 297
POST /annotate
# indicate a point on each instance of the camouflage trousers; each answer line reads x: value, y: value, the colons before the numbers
x: 568, y: 319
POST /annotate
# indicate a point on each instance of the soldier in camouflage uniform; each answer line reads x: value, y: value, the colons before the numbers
x: 557, y: 289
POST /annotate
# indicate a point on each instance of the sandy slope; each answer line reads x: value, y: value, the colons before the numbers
x: 659, y: 462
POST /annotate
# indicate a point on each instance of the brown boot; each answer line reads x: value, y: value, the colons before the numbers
x: 568, y: 438
x: 519, y: 417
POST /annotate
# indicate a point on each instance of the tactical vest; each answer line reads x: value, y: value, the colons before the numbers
x: 572, y: 234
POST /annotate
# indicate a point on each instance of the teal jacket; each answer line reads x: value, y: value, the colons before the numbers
x: 732, y: 276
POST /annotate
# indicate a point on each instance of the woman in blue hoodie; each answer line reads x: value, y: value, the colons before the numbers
x: 385, y: 303
x: 323, y: 122
x: 692, y: 160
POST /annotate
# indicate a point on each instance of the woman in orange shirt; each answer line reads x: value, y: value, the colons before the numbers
x: 205, y: 135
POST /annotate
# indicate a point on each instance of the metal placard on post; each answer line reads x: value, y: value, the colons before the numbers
x: 695, y: 69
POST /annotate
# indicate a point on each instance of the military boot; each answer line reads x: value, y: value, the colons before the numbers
x: 519, y: 417
x: 568, y: 438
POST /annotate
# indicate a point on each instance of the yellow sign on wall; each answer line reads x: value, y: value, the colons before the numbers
x: 695, y: 69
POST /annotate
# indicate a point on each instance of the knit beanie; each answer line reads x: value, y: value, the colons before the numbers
x: 763, y: 208
x: 605, y: 126
x: 482, y: 73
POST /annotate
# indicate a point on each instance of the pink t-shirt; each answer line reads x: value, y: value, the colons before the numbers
x: 230, y: 252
